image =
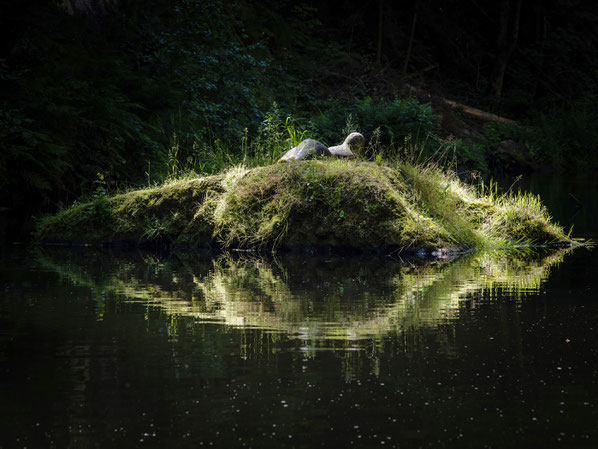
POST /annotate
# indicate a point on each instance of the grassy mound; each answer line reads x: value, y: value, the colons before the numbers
x: 332, y: 203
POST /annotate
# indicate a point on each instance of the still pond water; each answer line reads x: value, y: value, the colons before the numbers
x: 141, y: 349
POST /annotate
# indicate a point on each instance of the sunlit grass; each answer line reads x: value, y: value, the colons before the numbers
x: 404, y: 202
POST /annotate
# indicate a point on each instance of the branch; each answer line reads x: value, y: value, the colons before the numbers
x: 473, y: 112
x: 329, y: 73
x: 420, y: 72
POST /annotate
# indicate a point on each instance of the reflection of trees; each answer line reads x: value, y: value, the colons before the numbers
x: 315, y: 300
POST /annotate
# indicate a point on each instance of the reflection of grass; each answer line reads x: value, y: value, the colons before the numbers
x: 309, y: 299
x: 436, y: 297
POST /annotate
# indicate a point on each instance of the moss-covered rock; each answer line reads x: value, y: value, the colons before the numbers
x: 312, y: 204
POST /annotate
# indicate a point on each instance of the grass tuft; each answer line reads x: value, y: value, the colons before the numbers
x: 332, y: 203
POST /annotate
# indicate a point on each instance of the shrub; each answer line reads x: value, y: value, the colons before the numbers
x: 395, y: 119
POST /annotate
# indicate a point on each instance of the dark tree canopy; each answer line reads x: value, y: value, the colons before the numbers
x: 113, y: 86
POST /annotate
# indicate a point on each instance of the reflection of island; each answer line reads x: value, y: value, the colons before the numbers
x: 312, y: 299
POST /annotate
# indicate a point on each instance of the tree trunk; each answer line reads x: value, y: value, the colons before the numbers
x: 541, y: 34
x: 506, y: 42
x: 412, y: 34
x: 380, y: 26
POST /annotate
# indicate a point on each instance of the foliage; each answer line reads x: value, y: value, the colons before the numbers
x: 143, y: 92
x: 68, y: 109
x: 87, y: 94
x: 30, y: 163
x: 472, y: 155
x: 277, y: 133
x: 561, y: 138
x: 567, y: 137
x: 394, y: 120
x: 218, y: 71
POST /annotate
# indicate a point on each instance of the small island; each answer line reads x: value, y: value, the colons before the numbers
x: 316, y: 204
x: 298, y: 224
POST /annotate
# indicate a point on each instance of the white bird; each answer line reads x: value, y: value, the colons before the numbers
x: 353, y: 143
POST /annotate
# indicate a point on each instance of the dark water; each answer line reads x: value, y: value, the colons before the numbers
x: 105, y: 349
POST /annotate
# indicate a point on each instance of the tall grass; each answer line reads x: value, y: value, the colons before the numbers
x: 477, y: 213
x: 195, y: 155
x: 422, y: 189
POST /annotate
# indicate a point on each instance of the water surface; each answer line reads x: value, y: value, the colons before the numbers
x: 134, y: 349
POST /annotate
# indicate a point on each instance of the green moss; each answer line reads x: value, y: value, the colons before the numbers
x: 315, y: 203
x: 160, y: 213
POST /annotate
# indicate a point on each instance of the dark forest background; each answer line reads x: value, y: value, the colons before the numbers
x: 97, y: 96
